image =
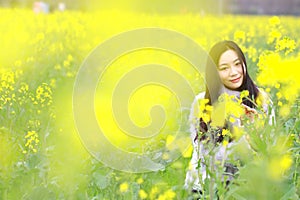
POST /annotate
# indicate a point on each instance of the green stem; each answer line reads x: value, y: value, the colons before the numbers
x: 212, y: 166
x: 295, y: 173
x: 211, y: 184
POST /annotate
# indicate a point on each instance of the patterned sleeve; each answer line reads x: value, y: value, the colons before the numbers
x: 193, y: 117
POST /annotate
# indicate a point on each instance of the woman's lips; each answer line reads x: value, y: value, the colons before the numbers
x: 235, y: 80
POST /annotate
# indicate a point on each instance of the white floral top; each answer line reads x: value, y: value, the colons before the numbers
x: 192, y: 180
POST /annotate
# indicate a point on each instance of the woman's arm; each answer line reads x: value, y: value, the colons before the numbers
x: 193, y: 117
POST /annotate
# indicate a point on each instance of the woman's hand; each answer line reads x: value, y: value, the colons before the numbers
x: 250, y: 112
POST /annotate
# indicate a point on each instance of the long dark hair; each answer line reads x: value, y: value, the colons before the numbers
x: 213, y: 82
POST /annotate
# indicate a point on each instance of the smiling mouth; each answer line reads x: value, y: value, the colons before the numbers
x: 235, y: 80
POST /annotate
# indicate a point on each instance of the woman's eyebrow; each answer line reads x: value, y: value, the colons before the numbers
x: 237, y: 59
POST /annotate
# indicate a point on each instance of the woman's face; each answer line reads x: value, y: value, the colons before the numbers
x: 230, y: 70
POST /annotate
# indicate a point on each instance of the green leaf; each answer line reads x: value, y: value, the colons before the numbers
x: 291, y: 194
x: 101, y: 181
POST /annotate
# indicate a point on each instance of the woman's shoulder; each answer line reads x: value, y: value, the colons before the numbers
x: 263, y: 97
x: 262, y: 91
x: 199, y: 96
x: 264, y: 100
x: 195, y: 104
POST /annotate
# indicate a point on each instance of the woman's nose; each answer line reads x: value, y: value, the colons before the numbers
x: 232, y: 71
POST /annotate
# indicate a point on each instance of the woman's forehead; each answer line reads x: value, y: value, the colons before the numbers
x: 228, y: 57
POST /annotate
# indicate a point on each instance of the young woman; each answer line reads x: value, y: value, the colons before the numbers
x: 226, y: 72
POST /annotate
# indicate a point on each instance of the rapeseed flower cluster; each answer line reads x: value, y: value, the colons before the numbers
x: 283, y: 76
x: 161, y: 193
x: 7, y: 85
x: 32, y: 141
x: 240, y: 36
x: 43, y: 95
x: 279, y: 165
x: 204, y: 110
x: 228, y: 108
x: 17, y: 99
x: 275, y: 30
x: 278, y: 71
x: 286, y: 44
x: 167, y: 195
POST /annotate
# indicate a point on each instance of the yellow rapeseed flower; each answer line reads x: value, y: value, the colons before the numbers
x: 18, y: 63
x: 124, y: 187
x: 140, y: 181
x: 284, y: 110
x: 225, y: 143
x: 70, y: 58
x: 167, y: 195
x: 244, y: 93
x: 237, y: 132
x: 169, y: 140
x: 188, y: 153
x: 232, y: 119
x: 153, y: 193
x: 239, y: 35
x: 142, y: 194
x: 277, y: 166
x: 66, y: 63
x: 225, y: 132
x: 274, y: 35
x: 285, y: 162
x: 274, y: 21
x: 204, y: 110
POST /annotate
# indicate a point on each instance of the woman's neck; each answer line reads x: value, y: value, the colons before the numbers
x: 230, y: 92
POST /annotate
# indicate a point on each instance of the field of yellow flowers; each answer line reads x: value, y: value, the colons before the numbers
x: 43, y: 157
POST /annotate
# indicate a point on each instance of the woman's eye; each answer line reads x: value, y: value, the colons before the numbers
x: 237, y: 64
